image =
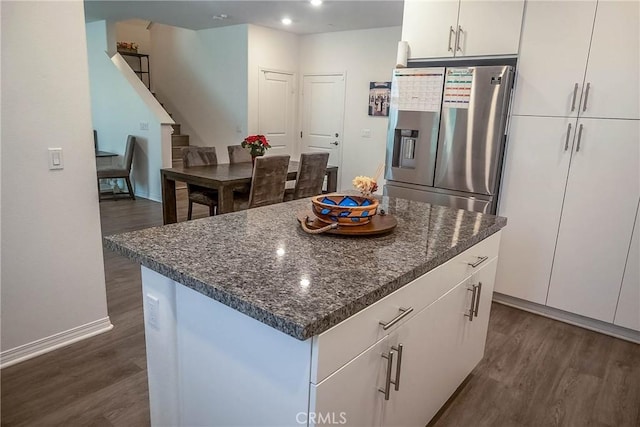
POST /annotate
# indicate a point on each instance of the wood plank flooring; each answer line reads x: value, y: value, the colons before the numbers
x: 536, y: 371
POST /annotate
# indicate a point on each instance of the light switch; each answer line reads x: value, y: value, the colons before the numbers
x: 365, y: 133
x: 55, y: 158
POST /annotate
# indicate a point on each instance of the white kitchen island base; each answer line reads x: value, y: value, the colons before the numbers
x: 210, y: 365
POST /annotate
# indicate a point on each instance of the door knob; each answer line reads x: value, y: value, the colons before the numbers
x: 335, y: 143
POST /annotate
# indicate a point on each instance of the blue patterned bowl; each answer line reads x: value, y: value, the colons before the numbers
x: 344, y: 209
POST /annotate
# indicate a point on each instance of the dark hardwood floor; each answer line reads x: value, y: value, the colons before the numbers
x: 536, y: 371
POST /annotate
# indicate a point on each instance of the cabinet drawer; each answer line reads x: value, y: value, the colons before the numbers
x: 338, y: 345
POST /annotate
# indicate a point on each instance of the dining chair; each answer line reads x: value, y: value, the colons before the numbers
x: 200, y: 156
x: 310, y: 176
x: 123, y: 171
x: 267, y: 182
x: 237, y: 154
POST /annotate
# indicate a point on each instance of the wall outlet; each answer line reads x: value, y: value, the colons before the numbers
x: 365, y: 133
x: 144, y: 126
x: 153, y: 311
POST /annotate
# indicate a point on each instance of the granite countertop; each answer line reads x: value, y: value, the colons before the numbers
x: 262, y: 264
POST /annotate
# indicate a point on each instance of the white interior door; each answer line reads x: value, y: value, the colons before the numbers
x: 323, y: 115
x: 597, y: 219
x: 276, y: 110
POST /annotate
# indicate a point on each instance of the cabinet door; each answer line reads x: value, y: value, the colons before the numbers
x: 553, y: 57
x: 535, y: 173
x: 628, y: 310
x: 489, y: 27
x: 429, y: 27
x: 351, y: 395
x: 597, y: 219
x: 614, y: 62
x: 430, y: 368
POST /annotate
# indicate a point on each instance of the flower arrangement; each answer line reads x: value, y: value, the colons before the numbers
x: 258, y: 144
x: 127, y: 46
x: 367, y: 185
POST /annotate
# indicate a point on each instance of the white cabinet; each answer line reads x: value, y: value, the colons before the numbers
x: 533, y: 183
x: 436, y: 29
x: 614, y: 62
x: 597, y: 218
x: 628, y: 311
x: 568, y: 64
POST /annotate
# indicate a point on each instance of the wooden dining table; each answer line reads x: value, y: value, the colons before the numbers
x: 226, y: 178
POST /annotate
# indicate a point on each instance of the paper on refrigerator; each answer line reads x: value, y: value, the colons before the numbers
x: 457, y: 88
x: 417, y: 89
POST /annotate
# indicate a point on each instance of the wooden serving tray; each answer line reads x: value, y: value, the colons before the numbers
x: 379, y: 224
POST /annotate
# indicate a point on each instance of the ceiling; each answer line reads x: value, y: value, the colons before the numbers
x: 332, y: 15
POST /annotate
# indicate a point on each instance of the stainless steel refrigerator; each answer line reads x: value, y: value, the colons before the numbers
x: 447, y: 134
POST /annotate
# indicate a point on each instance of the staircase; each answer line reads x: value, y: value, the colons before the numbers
x: 178, y: 142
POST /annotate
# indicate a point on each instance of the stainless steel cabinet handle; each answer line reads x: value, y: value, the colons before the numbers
x: 586, y: 97
x: 566, y: 142
x: 398, y: 349
x: 579, y: 138
x: 473, y: 289
x: 480, y: 260
x: 387, y: 382
x: 403, y: 313
x: 458, y: 37
x: 575, y: 94
x: 479, y: 287
x: 451, y: 31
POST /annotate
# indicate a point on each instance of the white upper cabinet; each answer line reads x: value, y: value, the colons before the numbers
x: 599, y: 211
x: 612, y: 88
x: 440, y: 29
x: 553, y: 57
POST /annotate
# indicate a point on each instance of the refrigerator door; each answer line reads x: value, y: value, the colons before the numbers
x: 414, y: 120
x: 475, y: 203
x: 472, y: 128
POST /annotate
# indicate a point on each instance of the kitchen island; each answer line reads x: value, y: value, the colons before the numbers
x: 251, y: 321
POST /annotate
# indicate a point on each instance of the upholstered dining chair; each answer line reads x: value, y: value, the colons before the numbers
x: 200, y: 156
x: 123, y: 171
x: 267, y: 182
x: 237, y: 154
x: 310, y: 177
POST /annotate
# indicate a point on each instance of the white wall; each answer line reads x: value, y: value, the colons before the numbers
x: 52, y: 266
x: 274, y: 50
x: 134, y: 31
x: 119, y: 104
x: 366, y: 56
x: 201, y: 77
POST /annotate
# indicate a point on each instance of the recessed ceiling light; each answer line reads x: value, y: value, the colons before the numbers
x: 286, y: 21
x: 220, y: 17
x: 316, y: 2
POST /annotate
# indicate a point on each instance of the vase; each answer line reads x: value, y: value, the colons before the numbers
x: 254, y: 155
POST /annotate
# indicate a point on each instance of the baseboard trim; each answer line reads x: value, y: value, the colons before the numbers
x: 36, y: 348
x: 571, y: 318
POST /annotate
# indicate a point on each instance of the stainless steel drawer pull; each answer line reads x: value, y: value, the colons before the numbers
x: 575, y: 95
x: 579, y: 138
x: 473, y: 289
x: 403, y: 313
x: 480, y: 260
x: 387, y: 383
x: 479, y: 287
x: 566, y: 141
x: 398, y: 349
x: 586, y: 97
x: 451, y: 32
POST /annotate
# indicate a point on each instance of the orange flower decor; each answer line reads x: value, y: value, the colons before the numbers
x: 258, y: 144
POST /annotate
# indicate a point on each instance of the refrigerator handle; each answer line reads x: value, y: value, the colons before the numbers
x: 579, y: 138
x: 566, y: 141
x: 451, y: 32
x: 575, y: 94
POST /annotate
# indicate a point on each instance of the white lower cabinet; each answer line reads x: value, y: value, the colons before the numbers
x: 628, y: 310
x: 406, y: 377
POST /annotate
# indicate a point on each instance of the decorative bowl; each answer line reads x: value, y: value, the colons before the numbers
x: 344, y: 209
